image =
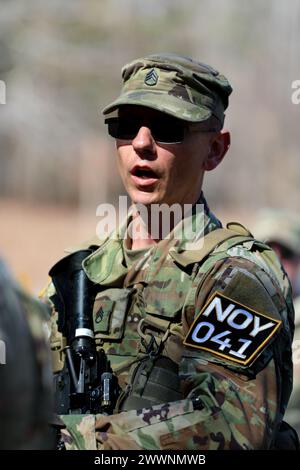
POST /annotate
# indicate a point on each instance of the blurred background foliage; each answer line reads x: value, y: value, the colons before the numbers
x: 61, y: 63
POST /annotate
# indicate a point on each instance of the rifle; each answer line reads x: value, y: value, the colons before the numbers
x: 86, y: 384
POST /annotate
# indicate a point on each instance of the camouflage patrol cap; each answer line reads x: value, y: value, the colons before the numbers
x: 176, y: 85
x: 279, y: 226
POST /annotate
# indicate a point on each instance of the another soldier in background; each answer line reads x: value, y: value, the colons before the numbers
x: 281, y: 230
x: 25, y: 379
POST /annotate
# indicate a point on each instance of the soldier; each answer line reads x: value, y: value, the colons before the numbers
x: 25, y: 378
x: 281, y: 230
x: 197, y: 324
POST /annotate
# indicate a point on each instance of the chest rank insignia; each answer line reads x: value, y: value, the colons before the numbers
x: 231, y: 330
x: 151, y: 78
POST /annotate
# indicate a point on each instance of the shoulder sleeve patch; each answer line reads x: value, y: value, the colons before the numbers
x: 231, y: 330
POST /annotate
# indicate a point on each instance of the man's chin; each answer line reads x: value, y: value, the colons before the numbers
x: 145, y: 198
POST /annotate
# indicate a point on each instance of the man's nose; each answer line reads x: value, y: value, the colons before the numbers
x: 144, y: 140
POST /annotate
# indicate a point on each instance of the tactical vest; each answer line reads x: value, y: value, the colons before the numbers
x: 140, y: 325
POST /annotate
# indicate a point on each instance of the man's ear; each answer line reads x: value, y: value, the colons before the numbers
x: 218, y: 149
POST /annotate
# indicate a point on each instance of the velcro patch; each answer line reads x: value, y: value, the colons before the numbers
x: 231, y: 330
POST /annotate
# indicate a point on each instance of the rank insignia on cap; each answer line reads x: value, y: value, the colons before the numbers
x: 231, y: 330
x: 151, y: 78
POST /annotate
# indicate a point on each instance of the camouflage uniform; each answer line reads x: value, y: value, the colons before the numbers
x: 283, y: 228
x: 224, y: 405
x: 25, y: 378
x: 293, y: 411
x: 176, y: 395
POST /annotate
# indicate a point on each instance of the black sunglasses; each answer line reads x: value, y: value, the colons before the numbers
x: 164, y: 130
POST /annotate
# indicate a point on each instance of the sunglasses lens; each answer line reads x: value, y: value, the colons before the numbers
x: 168, y: 131
x: 123, y: 129
x: 164, y: 131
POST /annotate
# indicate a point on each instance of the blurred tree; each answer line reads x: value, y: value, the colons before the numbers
x: 65, y: 59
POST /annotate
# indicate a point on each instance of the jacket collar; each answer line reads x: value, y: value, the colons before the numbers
x: 106, y: 266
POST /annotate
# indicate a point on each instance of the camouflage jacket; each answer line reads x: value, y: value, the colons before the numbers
x: 25, y: 370
x: 293, y: 411
x: 230, y: 398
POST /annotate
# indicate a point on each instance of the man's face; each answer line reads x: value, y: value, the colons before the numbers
x: 156, y: 173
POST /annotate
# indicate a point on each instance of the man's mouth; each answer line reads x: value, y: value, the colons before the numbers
x: 143, y: 176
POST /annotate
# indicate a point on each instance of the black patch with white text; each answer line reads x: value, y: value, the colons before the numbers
x: 231, y: 330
